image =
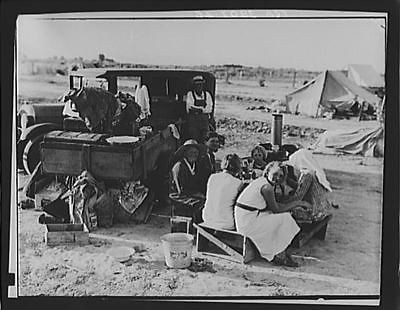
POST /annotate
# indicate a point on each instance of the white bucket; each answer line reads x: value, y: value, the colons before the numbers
x: 177, y: 249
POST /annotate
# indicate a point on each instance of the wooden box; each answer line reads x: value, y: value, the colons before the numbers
x: 58, y: 234
x: 70, y: 153
x: 226, y: 244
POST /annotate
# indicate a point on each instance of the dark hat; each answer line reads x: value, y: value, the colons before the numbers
x: 188, y: 144
x: 198, y: 79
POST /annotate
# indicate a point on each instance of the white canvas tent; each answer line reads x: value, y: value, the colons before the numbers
x: 365, y: 76
x: 329, y: 90
x: 364, y: 142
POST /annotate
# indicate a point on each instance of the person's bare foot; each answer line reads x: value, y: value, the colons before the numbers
x: 284, y: 259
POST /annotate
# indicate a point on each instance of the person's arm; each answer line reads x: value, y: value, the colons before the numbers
x: 209, y: 103
x: 177, y: 177
x: 190, y: 104
x: 240, y: 189
x: 146, y: 100
x: 268, y: 193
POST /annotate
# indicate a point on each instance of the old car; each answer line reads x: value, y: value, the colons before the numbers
x: 167, y: 91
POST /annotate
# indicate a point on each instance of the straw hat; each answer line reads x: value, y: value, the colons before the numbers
x: 180, y: 152
x: 198, y: 79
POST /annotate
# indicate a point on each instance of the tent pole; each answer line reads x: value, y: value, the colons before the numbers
x: 322, y: 91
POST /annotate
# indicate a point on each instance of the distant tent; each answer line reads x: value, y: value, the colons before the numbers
x: 365, y: 76
x: 365, y: 142
x: 331, y: 89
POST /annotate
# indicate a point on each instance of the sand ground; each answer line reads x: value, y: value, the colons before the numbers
x: 347, y: 262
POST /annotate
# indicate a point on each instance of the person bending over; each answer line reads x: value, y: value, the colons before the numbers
x: 266, y: 222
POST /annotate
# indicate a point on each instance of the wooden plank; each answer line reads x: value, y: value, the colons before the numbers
x: 220, y: 244
x: 249, y: 251
x: 64, y: 227
x: 110, y: 165
x: 61, y: 161
x: 233, y: 259
x: 57, y: 238
x: 232, y: 238
x: 85, y: 158
x: 82, y: 237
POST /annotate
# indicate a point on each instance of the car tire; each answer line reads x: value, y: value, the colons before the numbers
x: 31, y: 155
x: 21, y: 144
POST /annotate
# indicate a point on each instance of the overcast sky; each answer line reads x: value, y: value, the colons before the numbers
x: 313, y: 44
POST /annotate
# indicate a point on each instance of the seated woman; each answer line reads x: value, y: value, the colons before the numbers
x: 307, y: 188
x: 185, y: 176
x: 305, y: 180
x: 222, y: 191
x: 259, y: 157
x: 185, y: 181
x: 265, y: 221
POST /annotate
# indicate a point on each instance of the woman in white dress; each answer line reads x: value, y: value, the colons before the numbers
x: 222, y: 190
x: 266, y: 222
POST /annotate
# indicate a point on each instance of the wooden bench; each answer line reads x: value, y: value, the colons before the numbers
x: 234, y: 246
x: 226, y: 244
x: 309, y: 230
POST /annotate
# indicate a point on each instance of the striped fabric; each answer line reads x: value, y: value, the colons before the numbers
x: 312, y: 191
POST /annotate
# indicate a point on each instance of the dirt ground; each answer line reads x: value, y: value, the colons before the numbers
x: 346, y: 262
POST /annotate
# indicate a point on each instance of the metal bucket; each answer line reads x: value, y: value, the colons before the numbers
x: 177, y: 249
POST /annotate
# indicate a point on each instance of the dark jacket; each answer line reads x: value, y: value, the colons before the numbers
x: 206, y: 167
x: 188, y: 183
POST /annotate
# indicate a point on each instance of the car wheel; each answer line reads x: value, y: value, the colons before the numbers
x: 31, y: 156
x: 21, y: 144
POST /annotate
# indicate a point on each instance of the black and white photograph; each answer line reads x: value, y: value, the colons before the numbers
x: 226, y: 153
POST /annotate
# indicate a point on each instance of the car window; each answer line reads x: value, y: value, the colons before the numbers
x: 76, y: 82
x: 128, y: 84
x: 95, y: 82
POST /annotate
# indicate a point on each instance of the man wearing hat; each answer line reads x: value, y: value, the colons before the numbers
x: 198, y: 107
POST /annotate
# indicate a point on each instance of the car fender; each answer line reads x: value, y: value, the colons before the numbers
x: 38, y: 129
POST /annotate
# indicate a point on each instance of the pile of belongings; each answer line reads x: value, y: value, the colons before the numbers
x: 132, y: 196
x: 94, y: 205
x: 365, y: 142
x: 90, y: 204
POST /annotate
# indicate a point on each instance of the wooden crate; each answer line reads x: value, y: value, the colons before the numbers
x: 58, y: 234
x: 226, y: 244
x: 70, y: 153
x: 103, y: 161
